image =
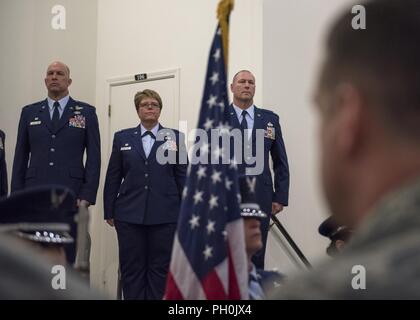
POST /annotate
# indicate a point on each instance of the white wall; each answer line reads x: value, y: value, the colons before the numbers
x: 136, y: 36
x: 292, y: 48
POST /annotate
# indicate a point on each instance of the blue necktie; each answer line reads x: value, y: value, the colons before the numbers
x: 56, y: 115
x: 244, y: 124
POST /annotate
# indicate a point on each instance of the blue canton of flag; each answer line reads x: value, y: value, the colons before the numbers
x: 209, y: 258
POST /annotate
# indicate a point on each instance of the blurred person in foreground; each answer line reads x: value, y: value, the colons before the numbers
x: 368, y: 100
x: 34, y: 227
x: 261, y: 281
x: 339, y: 235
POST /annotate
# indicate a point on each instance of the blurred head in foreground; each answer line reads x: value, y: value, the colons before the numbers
x: 368, y: 102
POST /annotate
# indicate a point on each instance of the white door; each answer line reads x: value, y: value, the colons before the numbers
x: 123, y: 115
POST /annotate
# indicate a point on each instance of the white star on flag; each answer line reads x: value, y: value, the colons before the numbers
x: 215, y: 177
x: 212, y: 101
x: 194, y: 221
x: 224, y: 233
x: 208, y: 124
x: 208, y: 252
x: 214, y: 78
x: 213, y: 201
x: 204, y: 149
x: 216, y: 54
x: 233, y: 164
x: 228, y: 183
x: 201, y: 172
x: 198, y: 197
x: 210, y: 227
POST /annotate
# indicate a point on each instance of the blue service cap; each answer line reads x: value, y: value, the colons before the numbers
x: 330, y: 229
x: 249, y: 206
x: 40, y: 214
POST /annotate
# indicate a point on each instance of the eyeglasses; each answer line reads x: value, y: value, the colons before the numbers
x: 153, y: 105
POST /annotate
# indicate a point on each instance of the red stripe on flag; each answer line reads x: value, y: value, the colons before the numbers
x: 172, y: 291
x: 234, y: 292
x: 213, y: 287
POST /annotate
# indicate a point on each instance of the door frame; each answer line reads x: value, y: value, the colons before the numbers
x: 151, y: 76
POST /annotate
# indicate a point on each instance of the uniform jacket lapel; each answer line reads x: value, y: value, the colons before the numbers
x: 258, y: 123
x: 234, y: 122
x: 137, y: 143
x: 156, y: 144
x: 44, y: 116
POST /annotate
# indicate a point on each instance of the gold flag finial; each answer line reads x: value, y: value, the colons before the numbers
x: 223, y: 12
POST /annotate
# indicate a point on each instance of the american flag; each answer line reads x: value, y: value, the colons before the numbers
x: 208, y: 257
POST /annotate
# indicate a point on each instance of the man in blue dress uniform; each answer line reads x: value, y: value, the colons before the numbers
x: 53, y: 136
x: 248, y: 118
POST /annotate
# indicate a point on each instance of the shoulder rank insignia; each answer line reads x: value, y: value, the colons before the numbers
x: 1, y: 144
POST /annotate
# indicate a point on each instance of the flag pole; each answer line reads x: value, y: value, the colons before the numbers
x: 223, y: 12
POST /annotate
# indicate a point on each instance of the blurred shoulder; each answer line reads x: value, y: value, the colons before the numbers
x: 84, y: 106
x: 269, y: 275
x: 127, y: 131
x: 34, y: 106
x: 171, y: 132
x: 268, y: 113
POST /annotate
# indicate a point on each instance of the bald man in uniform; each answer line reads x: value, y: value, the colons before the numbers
x: 53, y: 136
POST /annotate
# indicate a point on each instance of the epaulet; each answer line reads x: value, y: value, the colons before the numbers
x: 269, y: 273
x: 33, y: 105
x: 269, y: 112
x: 127, y: 130
x: 172, y: 129
x: 84, y: 105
